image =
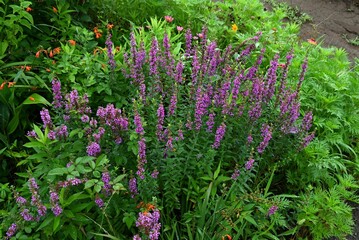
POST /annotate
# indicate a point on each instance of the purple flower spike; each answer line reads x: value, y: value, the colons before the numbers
x: 221, y: 130
x: 272, y: 210
x: 11, y: 231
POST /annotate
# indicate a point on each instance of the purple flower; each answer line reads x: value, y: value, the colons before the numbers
x: 137, y: 237
x: 153, y: 57
x: 93, y: 149
x: 51, y: 135
x: 75, y: 181
x: 180, y: 134
x: 61, y: 132
x: 307, y: 140
x: 267, y: 135
x: 142, y: 158
x: 31, y: 134
x: 26, y: 215
x: 221, y: 130
x: 57, y: 210
x: 188, y: 42
x: 210, y: 122
x: 235, y: 174
x: 45, y: 117
x: 272, y: 210
x: 249, y: 164
x: 132, y: 185
x: 99, y: 202
x: 173, y: 104
x: 41, y: 210
x: 106, y: 180
x: 109, y: 46
x: 149, y: 224
x: 249, y: 139
x: 307, y: 121
x: 179, y: 71
x: 138, y: 124
x: 160, y: 121
x: 56, y: 91
x: 11, y: 231
x: 85, y: 118
x: 21, y: 201
x: 154, y: 174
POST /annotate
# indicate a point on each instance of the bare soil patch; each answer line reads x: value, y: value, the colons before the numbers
x: 334, y: 23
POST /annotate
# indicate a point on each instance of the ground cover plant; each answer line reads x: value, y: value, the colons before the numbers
x: 160, y: 131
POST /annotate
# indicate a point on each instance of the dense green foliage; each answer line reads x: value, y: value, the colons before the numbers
x: 172, y: 119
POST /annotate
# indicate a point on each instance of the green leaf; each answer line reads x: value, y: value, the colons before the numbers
x: 36, y: 99
x: 13, y: 124
x: 46, y: 222
x: 251, y: 220
x: 76, y: 196
x: 84, y: 160
x: 119, y: 178
x: 217, y: 171
x: 56, y: 223
x: 73, y: 231
x: 69, y: 214
x: 58, y: 171
x: 34, y: 145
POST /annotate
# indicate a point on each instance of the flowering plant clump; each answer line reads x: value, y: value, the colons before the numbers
x: 200, y: 111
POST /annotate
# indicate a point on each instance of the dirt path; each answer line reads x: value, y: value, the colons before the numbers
x: 333, y: 21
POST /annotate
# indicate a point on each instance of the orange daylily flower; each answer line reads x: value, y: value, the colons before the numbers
x: 312, y: 41
x: 97, y: 32
x: 10, y: 84
x: 51, y: 55
x: 31, y: 99
x: 54, y: 9
x: 72, y: 42
x: 57, y: 50
x: 37, y: 55
x: 27, y: 68
x: 109, y: 26
x: 234, y: 28
x: 28, y: 9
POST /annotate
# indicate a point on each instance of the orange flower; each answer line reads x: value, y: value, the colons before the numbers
x: 37, y: 55
x: 97, y: 32
x: 57, y: 50
x: 54, y: 9
x: 98, y: 35
x: 48, y: 70
x: 31, y: 99
x: 10, y: 84
x: 28, y: 9
x: 312, y: 41
x: 228, y: 237
x: 51, y: 55
x: 72, y: 42
x: 2, y: 85
x: 234, y: 28
x: 27, y: 68
x: 109, y: 26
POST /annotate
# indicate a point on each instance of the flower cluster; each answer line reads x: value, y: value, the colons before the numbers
x: 148, y: 223
x: 54, y: 200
